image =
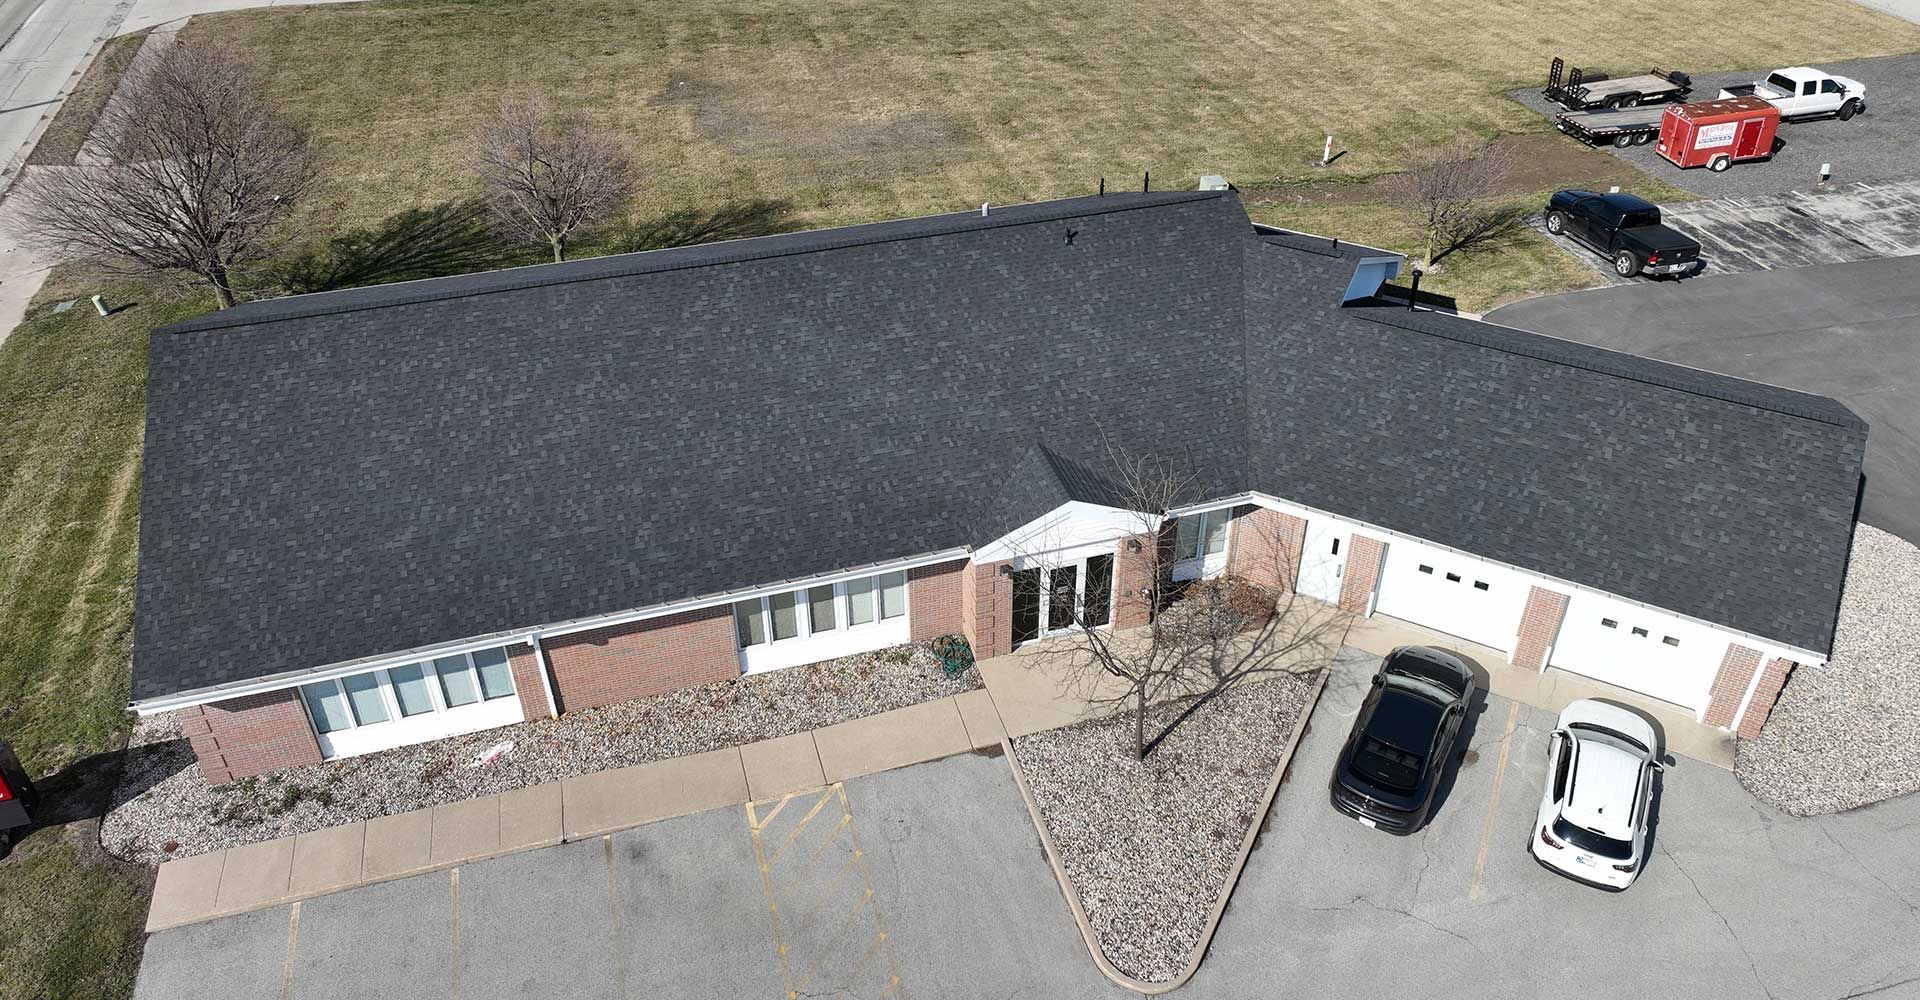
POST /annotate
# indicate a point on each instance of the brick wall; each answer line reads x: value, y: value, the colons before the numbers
x: 1132, y: 573
x: 937, y: 599
x: 644, y: 658
x: 992, y: 611
x: 1730, y: 684
x: 1363, y: 573
x: 527, y: 683
x: 243, y: 737
x: 1265, y: 548
x: 1539, y: 626
x: 1765, y: 694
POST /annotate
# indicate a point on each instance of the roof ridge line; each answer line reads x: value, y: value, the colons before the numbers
x: 1757, y: 404
x: 959, y: 224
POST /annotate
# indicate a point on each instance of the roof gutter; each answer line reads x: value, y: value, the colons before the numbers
x: 533, y: 636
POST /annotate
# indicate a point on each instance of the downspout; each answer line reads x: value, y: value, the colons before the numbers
x: 546, y: 676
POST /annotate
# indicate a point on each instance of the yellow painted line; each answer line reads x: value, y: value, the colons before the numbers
x: 1486, y: 833
x: 794, y: 834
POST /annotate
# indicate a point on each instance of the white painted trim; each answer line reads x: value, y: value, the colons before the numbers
x: 546, y: 675
x: 1796, y: 654
x: 518, y: 636
x: 1070, y: 525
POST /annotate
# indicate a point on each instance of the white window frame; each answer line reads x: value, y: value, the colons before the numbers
x: 1198, y: 563
x: 401, y: 730
x: 844, y: 639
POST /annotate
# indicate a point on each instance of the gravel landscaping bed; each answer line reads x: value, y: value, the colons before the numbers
x: 1149, y: 844
x: 164, y: 807
x: 1843, y: 735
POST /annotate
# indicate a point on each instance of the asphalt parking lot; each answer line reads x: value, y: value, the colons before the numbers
x: 929, y: 881
x: 1876, y: 146
x: 1851, y: 331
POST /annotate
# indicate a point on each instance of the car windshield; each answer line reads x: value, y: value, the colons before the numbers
x: 1591, y: 842
x: 1613, y: 735
x: 1781, y: 83
x: 1386, y: 766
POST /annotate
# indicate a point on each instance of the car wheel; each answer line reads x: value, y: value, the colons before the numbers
x: 1625, y: 264
x: 1556, y: 223
x: 1622, y: 141
x: 1630, y: 101
x: 1613, y: 103
x: 1848, y: 110
x: 1719, y: 164
x: 1643, y: 138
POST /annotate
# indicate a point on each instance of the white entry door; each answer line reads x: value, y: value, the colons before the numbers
x: 1323, y: 559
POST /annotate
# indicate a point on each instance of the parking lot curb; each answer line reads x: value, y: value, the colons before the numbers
x: 1067, y: 889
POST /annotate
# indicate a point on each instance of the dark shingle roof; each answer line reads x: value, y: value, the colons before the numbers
x: 342, y: 475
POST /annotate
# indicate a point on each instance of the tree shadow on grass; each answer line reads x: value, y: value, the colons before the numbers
x: 733, y: 220
x: 453, y: 237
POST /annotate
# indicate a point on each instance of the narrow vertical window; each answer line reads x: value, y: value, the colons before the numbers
x: 820, y: 610
x: 893, y: 594
x: 750, y: 621
x: 785, y: 609
x: 1099, y: 601
x: 363, y: 691
x: 456, y: 681
x: 860, y: 601
x: 327, y: 706
x: 496, y: 674
x: 1217, y: 522
x: 410, y: 689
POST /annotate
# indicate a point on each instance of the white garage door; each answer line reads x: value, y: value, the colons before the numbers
x: 1451, y: 594
x: 1639, y: 649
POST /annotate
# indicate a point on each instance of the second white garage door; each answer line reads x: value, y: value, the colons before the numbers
x: 1451, y: 594
x: 1640, y: 649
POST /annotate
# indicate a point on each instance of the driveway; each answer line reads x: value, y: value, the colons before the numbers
x: 1851, y: 331
x: 929, y: 881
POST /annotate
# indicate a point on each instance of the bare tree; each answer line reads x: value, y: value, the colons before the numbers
x: 192, y: 171
x: 1455, y: 198
x: 1202, y: 638
x: 549, y: 174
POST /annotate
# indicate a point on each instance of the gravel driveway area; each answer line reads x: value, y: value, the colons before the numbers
x: 1875, y: 146
x: 1843, y: 735
x: 164, y: 808
x: 1149, y: 844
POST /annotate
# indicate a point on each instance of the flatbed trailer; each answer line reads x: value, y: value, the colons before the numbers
x: 1635, y: 126
x: 1578, y: 89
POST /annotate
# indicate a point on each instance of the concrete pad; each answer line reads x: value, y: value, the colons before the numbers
x: 778, y: 766
x: 984, y: 728
x: 241, y: 957
x: 185, y: 890
x: 891, y: 739
x: 530, y: 817
x: 327, y: 859
x: 1038, y: 687
x: 255, y: 874
x: 464, y: 830
x: 398, y: 844
x: 390, y: 939
x: 629, y: 796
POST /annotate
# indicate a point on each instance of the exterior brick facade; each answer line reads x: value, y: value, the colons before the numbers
x: 1730, y: 684
x: 644, y: 658
x: 1265, y: 548
x: 1539, y: 627
x: 251, y: 735
x: 1363, y: 574
x: 527, y: 683
x: 1132, y: 576
x: 992, y: 608
x: 937, y: 599
x: 1765, y: 694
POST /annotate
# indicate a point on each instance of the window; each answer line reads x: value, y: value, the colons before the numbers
x: 860, y: 609
x: 1830, y: 87
x: 1642, y: 633
x: 1807, y: 89
x: 1453, y: 578
x: 1198, y: 535
x: 456, y: 681
x: 1609, y: 623
x: 410, y: 689
x: 893, y: 594
x: 1670, y: 640
x: 1561, y: 762
x: 785, y: 610
x: 496, y: 674
x: 1427, y: 570
x: 1099, y: 600
x: 821, y: 616
x: 1481, y: 585
x: 327, y: 706
x: 750, y: 621
x: 363, y: 693
x: 1062, y: 584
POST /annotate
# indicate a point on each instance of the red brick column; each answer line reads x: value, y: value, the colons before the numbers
x: 528, y: 683
x: 1265, y: 548
x: 624, y: 662
x: 1730, y: 684
x: 936, y: 600
x: 1765, y: 694
x: 251, y: 735
x: 1363, y: 574
x: 992, y: 611
x: 1133, y: 574
x: 1539, y: 626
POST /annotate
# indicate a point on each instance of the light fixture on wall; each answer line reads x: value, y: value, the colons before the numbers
x: 1133, y: 545
x: 1006, y: 569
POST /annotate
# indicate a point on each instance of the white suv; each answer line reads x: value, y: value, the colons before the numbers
x: 1592, y: 825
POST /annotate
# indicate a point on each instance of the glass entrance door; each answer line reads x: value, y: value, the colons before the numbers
x: 1026, y: 606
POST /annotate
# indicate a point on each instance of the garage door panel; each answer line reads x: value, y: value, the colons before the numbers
x: 1640, y: 649
x: 1452, y: 594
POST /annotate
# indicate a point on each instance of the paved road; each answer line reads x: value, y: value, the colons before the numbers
x: 933, y: 874
x: 1851, y: 331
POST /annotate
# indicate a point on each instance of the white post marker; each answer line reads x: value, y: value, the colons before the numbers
x: 1826, y: 172
x: 1326, y: 154
x: 1614, y: 189
x: 99, y: 306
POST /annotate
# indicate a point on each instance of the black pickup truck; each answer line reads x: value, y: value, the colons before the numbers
x: 1625, y: 229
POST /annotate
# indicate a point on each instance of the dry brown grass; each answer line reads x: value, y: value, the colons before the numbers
x: 74, y: 121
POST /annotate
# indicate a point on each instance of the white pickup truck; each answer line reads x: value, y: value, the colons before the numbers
x: 1804, y: 92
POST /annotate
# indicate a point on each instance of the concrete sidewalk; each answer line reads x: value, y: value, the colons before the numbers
x: 253, y: 876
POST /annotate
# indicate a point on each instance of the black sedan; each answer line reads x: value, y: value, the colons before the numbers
x: 1402, y: 739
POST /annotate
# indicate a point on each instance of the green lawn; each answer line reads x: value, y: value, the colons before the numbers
x: 70, y: 923
x: 861, y: 111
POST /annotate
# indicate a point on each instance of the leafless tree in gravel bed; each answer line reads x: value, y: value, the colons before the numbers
x: 1455, y: 199
x: 549, y: 174
x: 197, y: 170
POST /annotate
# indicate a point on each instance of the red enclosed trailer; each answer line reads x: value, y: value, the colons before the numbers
x: 1718, y: 134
